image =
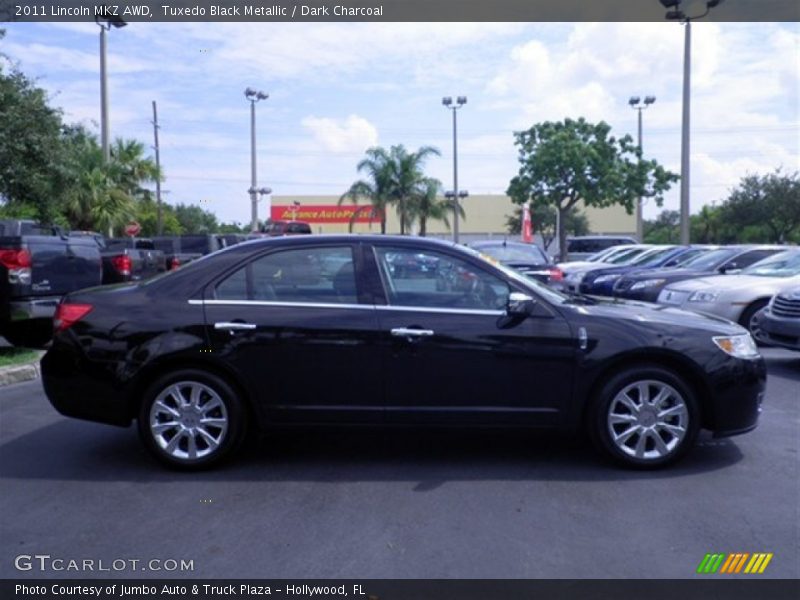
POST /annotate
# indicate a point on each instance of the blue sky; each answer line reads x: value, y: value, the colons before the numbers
x: 339, y: 88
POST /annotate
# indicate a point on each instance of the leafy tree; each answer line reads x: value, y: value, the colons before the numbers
x: 429, y: 205
x: 562, y: 163
x: 31, y: 170
x: 394, y: 177
x: 771, y: 202
x: 664, y: 229
x: 544, y: 223
x: 408, y: 183
x: 194, y: 219
x: 147, y: 216
x: 374, y: 189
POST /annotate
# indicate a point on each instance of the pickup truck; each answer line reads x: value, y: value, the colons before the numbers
x: 38, y: 265
x: 181, y: 249
x: 126, y: 259
x: 131, y: 259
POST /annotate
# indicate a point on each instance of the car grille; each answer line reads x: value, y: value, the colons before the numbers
x: 786, y: 307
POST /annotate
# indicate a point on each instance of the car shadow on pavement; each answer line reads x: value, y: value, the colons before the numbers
x: 785, y: 365
x: 77, y: 451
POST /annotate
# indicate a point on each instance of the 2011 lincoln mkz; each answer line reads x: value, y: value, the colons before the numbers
x: 324, y: 330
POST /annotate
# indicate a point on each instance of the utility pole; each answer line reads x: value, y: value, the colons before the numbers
x: 160, y: 226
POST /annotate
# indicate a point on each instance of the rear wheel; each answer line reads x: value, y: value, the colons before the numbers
x: 191, y: 420
x: 645, y: 417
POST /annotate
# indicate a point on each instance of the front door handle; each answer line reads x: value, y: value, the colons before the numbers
x: 233, y: 325
x: 410, y: 333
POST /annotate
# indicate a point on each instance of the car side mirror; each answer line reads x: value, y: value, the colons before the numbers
x: 520, y: 305
x: 729, y: 268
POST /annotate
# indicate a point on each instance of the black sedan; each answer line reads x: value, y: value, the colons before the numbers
x: 260, y: 336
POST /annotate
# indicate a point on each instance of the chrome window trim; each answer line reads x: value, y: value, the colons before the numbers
x: 457, y: 311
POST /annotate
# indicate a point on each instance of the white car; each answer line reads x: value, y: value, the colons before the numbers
x: 737, y: 297
x: 574, y: 271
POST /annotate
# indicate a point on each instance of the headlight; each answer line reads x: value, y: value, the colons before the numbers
x: 607, y: 278
x: 739, y: 346
x: 648, y: 283
x: 703, y: 297
x: 575, y: 276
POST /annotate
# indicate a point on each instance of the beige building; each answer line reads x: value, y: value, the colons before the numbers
x: 485, y: 217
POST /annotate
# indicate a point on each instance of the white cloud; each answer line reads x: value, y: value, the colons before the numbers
x: 351, y: 135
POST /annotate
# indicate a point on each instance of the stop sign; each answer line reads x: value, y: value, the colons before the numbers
x: 132, y: 229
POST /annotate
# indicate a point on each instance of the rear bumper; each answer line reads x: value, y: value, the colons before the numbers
x: 83, y: 389
x: 33, y: 308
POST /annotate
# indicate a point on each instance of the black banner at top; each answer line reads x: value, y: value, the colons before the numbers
x: 396, y: 10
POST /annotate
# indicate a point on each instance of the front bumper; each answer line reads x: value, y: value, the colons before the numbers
x: 737, y: 389
x: 777, y: 331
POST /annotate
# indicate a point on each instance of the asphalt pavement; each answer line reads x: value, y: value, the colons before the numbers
x: 398, y: 504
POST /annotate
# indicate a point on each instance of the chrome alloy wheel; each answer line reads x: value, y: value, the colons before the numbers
x: 188, y: 420
x: 648, y: 419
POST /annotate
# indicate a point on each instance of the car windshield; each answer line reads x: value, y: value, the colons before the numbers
x: 626, y: 257
x: 710, y: 260
x: 606, y: 254
x: 785, y: 264
x: 688, y: 256
x: 652, y: 255
x: 513, y: 253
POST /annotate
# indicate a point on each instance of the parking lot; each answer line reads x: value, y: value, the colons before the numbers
x: 399, y: 504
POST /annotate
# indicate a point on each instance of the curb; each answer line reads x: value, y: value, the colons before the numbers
x: 19, y: 373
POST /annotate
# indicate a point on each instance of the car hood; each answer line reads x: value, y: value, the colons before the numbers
x: 660, y: 317
x: 735, y: 283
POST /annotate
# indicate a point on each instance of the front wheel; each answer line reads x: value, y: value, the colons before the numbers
x: 748, y: 319
x: 191, y: 420
x: 645, y: 417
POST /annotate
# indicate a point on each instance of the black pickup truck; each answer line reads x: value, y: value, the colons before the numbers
x: 38, y: 265
x: 126, y: 259
x: 181, y: 249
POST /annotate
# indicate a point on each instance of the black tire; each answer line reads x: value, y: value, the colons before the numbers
x: 217, y: 411
x: 608, y: 418
x: 33, y: 333
x: 746, y: 320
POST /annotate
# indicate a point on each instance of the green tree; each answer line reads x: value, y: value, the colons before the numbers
x: 664, y: 229
x: 408, y: 183
x: 544, y: 223
x: 770, y: 202
x: 194, y: 219
x: 147, y: 216
x: 429, y: 205
x: 563, y: 163
x: 31, y: 165
x: 375, y: 189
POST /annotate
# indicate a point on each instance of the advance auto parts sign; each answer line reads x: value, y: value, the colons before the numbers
x: 325, y: 213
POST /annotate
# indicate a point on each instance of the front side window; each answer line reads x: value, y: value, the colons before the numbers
x: 302, y: 275
x: 436, y: 280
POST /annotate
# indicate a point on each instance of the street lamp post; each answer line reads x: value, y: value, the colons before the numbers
x: 254, y: 96
x: 675, y: 13
x: 106, y: 22
x: 639, y: 106
x: 447, y: 101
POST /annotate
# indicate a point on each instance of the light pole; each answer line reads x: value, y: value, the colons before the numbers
x: 253, y: 96
x: 106, y: 22
x: 639, y: 106
x: 676, y: 14
x: 447, y: 101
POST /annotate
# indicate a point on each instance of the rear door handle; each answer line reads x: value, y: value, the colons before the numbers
x: 407, y: 332
x: 231, y: 325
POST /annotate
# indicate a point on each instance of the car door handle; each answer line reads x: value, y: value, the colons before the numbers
x: 407, y: 332
x: 231, y: 325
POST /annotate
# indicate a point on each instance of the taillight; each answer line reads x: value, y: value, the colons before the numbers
x: 556, y: 274
x: 69, y: 314
x: 18, y: 263
x: 174, y: 263
x: 122, y: 264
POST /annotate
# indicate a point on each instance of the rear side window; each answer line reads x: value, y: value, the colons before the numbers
x: 301, y: 275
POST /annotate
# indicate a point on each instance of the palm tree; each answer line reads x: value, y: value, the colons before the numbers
x: 429, y: 205
x: 408, y: 182
x: 129, y: 168
x: 375, y: 189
